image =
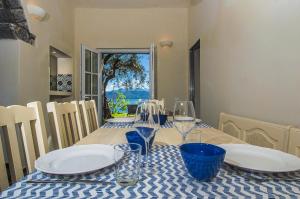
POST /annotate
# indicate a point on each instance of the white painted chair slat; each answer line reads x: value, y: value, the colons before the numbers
x: 3, y: 174
x: 59, y: 135
x: 294, y: 142
x: 93, y: 119
x: 90, y: 120
x: 40, y: 128
x: 14, y: 158
x: 255, y: 132
x: 90, y: 115
x: 95, y: 114
x: 31, y: 137
x: 74, y: 127
x: 68, y: 129
x: 85, y: 117
x: 65, y: 140
x: 78, y: 118
x: 28, y: 145
x: 67, y: 122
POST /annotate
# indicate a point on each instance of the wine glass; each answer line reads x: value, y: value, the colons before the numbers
x: 184, y: 118
x: 146, y: 125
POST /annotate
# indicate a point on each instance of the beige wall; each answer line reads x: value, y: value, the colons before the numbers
x: 27, y: 66
x: 138, y: 28
x: 9, y: 72
x: 57, y: 31
x: 250, y: 63
x: 65, y: 66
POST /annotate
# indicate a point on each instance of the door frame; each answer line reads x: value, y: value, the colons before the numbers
x: 192, y: 70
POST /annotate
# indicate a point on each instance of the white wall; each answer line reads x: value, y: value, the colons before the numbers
x: 9, y: 72
x: 64, y: 66
x: 138, y: 28
x: 250, y: 63
x: 57, y: 31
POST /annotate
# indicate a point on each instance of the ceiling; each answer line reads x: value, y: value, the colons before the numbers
x: 131, y: 3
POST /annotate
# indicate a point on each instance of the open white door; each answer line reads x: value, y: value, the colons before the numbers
x: 91, y: 78
x: 153, y: 71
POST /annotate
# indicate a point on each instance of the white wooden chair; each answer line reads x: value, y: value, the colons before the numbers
x: 255, y: 132
x: 67, y: 122
x: 33, y: 134
x: 160, y: 104
x: 294, y: 142
x: 90, y: 116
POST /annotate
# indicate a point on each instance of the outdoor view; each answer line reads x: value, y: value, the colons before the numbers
x: 126, y: 81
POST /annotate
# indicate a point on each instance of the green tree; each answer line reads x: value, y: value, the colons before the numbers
x: 125, y: 70
x: 120, y: 104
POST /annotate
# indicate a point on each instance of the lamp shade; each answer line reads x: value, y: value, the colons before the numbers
x: 36, y: 11
x: 165, y: 43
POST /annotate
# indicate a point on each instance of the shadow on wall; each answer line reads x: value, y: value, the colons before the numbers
x: 195, y: 2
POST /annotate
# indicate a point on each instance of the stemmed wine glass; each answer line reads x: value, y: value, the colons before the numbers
x: 184, y: 118
x: 146, y: 125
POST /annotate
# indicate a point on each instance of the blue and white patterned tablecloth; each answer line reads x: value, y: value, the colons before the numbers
x: 170, y: 180
x: 168, y: 124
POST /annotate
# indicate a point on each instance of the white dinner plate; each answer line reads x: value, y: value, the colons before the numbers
x: 198, y: 120
x: 77, y: 159
x: 260, y: 159
x: 121, y: 120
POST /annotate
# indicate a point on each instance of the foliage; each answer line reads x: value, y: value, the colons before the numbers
x: 125, y: 70
x: 119, y: 105
x: 117, y: 115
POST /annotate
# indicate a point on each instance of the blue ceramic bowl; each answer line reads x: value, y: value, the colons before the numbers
x: 203, y: 161
x: 162, y: 119
x: 134, y: 137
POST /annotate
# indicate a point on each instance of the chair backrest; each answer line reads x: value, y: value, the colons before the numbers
x: 160, y: 104
x: 67, y: 122
x: 30, y: 119
x: 255, y: 132
x: 90, y: 115
x: 294, y: 142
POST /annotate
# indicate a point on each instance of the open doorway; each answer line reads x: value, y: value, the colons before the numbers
x: 126, y: 80
x: 117, y: 79
x: 195, y: 77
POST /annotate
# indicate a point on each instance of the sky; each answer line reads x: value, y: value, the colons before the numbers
x: 144, y: 59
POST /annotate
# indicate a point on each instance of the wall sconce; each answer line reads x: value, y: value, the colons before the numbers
x: 37, y: 12
x: 166, y: 43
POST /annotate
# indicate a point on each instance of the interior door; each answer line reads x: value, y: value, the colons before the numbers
x: 195, y: 77
x: 91, y: 77
x: 153, y: 74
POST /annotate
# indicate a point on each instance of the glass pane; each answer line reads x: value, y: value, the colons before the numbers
x: 96, y: 100
x: 87, y: 84
x: 95, y: 62
x: 95, y: 85
x: 88, y: 60
x: 87, y: 98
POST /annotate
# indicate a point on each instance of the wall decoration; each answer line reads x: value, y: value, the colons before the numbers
x: 64, y: 82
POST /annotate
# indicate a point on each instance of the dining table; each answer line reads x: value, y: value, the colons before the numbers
x: 168, y: 178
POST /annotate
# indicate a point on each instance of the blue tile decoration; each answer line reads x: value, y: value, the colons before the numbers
x: 64, y: 82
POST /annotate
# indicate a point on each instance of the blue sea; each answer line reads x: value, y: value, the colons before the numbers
x: 133, y: 96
